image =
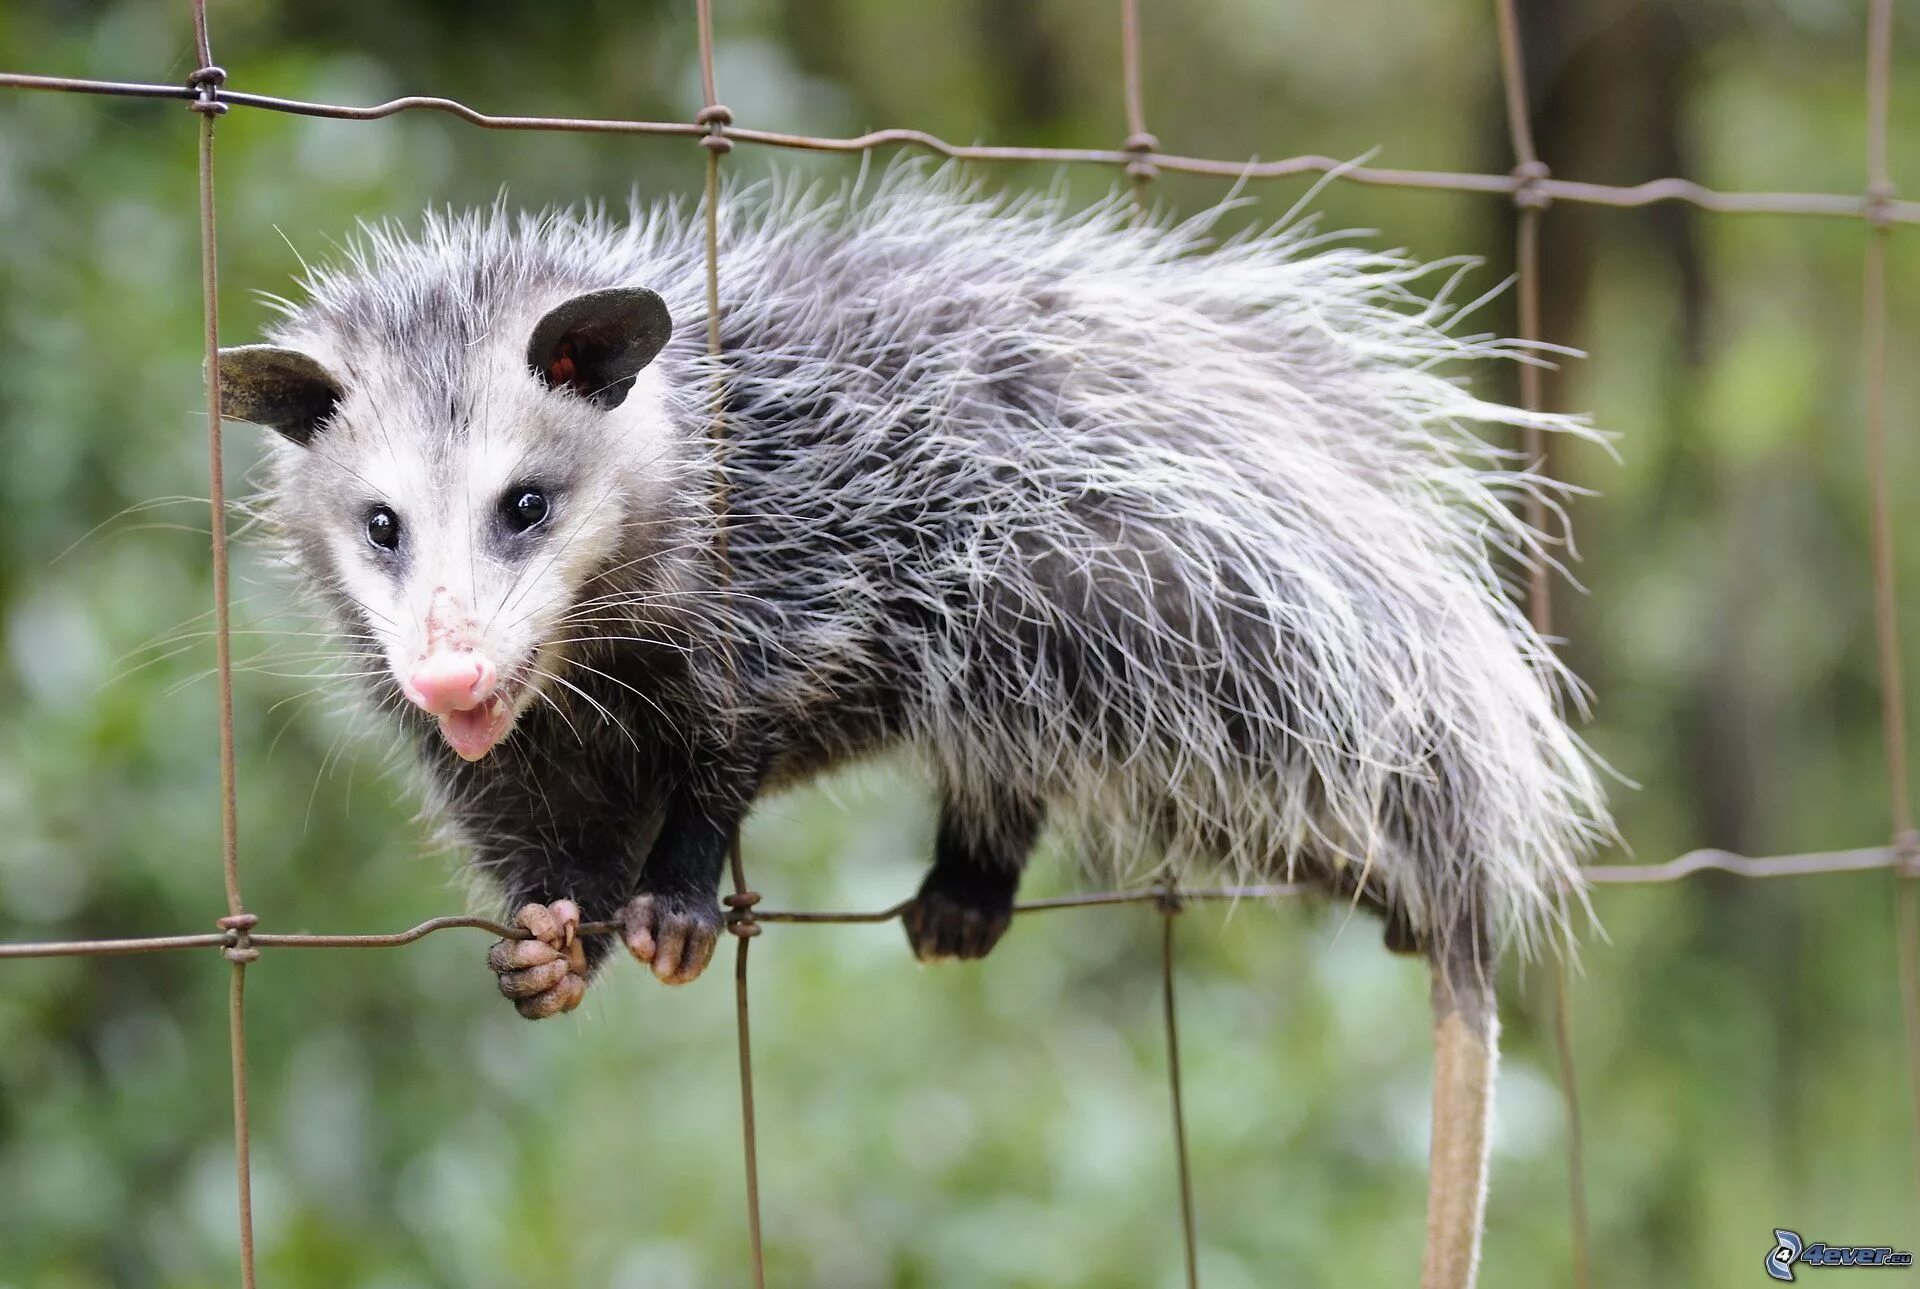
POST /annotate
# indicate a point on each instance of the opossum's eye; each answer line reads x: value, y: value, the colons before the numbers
x: 523, y: 508
x: 383, y: 528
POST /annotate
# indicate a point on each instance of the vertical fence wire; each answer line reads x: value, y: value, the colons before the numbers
x: 715, y: 117
x: 206, y: 82
x: 1170, y: 907
x: 1886, y: 609
x: 1530, y: 203
x: 1141, y: 171
x: 1140, y: 145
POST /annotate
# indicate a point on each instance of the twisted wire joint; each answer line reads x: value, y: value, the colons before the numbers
x: 206, y: 83
x: 1530, y: 193
x: 716, y: 117
x: 1142, y: 146
x: 740, y: 914
x: 239, y: 940
x: 1878, y: 208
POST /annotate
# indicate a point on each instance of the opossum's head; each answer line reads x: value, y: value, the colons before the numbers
x: 456, y: 496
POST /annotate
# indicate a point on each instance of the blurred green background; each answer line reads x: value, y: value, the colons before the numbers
x: 1003, y: 1125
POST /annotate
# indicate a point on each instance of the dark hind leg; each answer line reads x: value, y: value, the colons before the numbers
x: 1396, y: 928
x: 966, y: 902
x: 1466, y: 1031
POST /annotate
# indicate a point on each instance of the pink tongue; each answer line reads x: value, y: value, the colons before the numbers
x: 472, y: 734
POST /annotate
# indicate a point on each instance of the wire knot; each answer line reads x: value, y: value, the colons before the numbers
x: 1878, y: 207
x: 1169, y: 900
x: 205, y: 84
x: 1142, y: 146
x: 716, y: 117
x: 740, y: 914
x: 1906, y: 853
x: 239, y: 942
x: 1529, y: 192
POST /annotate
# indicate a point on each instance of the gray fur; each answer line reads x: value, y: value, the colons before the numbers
x: 1196, y: 541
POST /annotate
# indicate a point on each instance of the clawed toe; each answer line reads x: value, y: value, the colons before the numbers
x: 563, y: 997
x: 939, y: 926
x: 546, y: 975
x: 533, y: 980
x: 672, y: 936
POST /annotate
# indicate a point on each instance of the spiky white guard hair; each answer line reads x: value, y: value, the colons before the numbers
x: 1197, y: 539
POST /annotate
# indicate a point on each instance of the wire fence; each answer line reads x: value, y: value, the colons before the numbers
x: 1532, y: 190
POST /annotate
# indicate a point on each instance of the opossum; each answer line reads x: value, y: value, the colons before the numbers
x: 1193, y: 548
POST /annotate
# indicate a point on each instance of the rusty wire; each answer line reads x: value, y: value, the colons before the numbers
x: 713, y: 119
x: 1893, y: 694
x: 1849, y: 861
x: 1170, y: 907
x: 1141, y: 171
x: 1652, y: 192
x: 1530, y: 203
x: 1529, y: 186
x: 205, y: 85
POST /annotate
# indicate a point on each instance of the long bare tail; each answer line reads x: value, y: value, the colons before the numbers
x: 1466, y: 1038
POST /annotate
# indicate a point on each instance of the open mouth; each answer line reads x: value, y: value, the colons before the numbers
x: 459, y: 689
x: 475, y: 732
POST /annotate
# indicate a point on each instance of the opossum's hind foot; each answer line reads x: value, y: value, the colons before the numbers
x: 546, y: 975
x: 1399, y: 935
x: 674, y: 935
x: 1397, y: 928
x: 960, y: 912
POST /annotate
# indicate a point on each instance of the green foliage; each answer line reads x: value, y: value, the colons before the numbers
x: 1005, y: 1124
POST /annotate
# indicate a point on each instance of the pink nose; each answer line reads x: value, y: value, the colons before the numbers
x: 450, y: 681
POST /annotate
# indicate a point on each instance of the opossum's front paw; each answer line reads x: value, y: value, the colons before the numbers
x: 546, y: 975
x: 673, y: 934
x: 952, y: 918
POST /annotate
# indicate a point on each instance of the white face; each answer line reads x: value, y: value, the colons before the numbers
x: 461, y: 531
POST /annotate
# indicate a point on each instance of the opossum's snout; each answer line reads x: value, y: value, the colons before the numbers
x: 446, y: 682
x: 456, y: 680
x: 461, y: 688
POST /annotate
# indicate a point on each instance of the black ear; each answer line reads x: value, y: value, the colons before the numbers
x: 281, y: 388
x: 595, y: 344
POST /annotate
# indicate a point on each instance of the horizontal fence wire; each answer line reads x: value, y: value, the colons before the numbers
x: 1852, y: 861
x: 1531, y: 188
x: 1652, y: 192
